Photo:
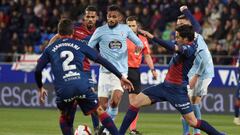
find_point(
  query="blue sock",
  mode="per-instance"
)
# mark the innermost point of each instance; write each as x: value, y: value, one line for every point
x: 197, y: 112
x: 236, y: 111
x: 129, y: 117
x: 112, y: 112
x: 95, y: 120
x: 108, y: 123
x: 185, y: 127
x: 204, y: 126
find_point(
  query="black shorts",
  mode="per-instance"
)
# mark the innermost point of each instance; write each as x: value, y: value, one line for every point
x: 134, y: 77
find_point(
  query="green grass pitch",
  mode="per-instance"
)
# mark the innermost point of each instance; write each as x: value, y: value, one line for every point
x: 45, y: 122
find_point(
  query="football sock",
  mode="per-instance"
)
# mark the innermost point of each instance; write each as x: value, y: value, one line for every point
x: 204, y: 126
x: 185, y: 127
x: 66, y: 125
x: 129, y: 117
x: 236, y: 111
x: 95, y: 120
x: 66, y: 120
x: 197, y: 112
x: 112, y: 112
x: 133, y: 125
x: 108, y: 123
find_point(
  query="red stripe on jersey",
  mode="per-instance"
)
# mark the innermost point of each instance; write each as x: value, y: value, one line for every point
x: 175, y: 74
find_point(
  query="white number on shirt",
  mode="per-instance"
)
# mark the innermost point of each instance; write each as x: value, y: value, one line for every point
x: 66, y: 66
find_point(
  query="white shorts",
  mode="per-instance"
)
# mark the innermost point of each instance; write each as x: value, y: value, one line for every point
x: 201, y: 87
x: 107, y: 83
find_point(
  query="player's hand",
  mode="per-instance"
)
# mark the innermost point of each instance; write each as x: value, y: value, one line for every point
x: 126, y: 84
x: 193, y: 81
x: 154, y: 74
x: 42, y: 94
x: 182, y: 8
x: 145, y: 33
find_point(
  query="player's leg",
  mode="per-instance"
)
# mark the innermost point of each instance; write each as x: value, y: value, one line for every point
x: 200, y: 124
x: 236, y: 119
x: 146, y: 97
x: 178, y: 98
x: 90, y: 105
x: 114, y: 102
x: 199, y: 91
x: 134, y: 77
x: 67, y: 116
x: 116, y: 95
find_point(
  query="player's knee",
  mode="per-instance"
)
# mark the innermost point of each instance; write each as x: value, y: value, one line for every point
x: 192, y: 122
x: 99, y: 110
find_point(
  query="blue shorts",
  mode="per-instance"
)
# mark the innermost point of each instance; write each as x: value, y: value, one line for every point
x: 88, y: 102
x: 177, y: 96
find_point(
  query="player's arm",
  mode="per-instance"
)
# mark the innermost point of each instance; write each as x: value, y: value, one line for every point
x: 182, y: 50
x: 194, y: 22
x: 168, y: 45
x: 94, y: 56
x: 53, y: 39
x: 42, y: 62
x: 134, y: 38
x: 148, y: 58
x: 94, y: 40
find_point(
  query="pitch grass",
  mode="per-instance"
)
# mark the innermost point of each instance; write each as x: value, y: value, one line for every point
x: 45, y: 122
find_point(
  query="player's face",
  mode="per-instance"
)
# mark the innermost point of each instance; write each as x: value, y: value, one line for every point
x: 90, y: 19
x: 113, y: 17
x: 133, y: 25
x: 183, y: 21
x: 179, y: 39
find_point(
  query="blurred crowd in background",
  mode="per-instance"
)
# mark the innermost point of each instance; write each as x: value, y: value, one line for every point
x: 27, y: 25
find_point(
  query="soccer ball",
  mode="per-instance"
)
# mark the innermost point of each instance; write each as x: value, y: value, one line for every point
x: 83, y: 130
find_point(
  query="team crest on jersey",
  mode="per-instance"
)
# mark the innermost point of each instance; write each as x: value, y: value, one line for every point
x: 115, y: 44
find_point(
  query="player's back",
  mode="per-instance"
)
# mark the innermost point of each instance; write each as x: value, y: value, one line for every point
x: 66, y: 60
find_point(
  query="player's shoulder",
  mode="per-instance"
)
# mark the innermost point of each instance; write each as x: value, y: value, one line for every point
x: 77, y: 24
x: 105, y: 26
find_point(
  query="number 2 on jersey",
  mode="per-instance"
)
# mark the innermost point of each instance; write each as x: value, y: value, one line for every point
x: 66, y: 66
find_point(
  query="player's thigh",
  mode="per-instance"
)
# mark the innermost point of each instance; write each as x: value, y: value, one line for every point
x: 108, y: 82
x: 201, y: 87
x: 67, y: 108
x: 141, y: 100
x: 134, y: 78
x: 178, y: 97
x: 89, y: 103
x: 155, y: 93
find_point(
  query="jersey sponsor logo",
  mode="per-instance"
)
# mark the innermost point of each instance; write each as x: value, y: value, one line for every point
x: 115, y: 44
x: 71, y: 76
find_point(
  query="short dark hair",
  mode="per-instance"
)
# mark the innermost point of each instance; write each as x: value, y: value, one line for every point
x: 114, y: 8
x: 182, y: 17
x: 186, y: 31
x: 132, y: 18
x: 91, y: 8
x: 65, y: 27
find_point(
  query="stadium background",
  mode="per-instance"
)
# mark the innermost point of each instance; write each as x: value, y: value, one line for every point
x: 27, y: 25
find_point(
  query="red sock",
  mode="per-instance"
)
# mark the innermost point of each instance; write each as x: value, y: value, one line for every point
x: 133, y: 125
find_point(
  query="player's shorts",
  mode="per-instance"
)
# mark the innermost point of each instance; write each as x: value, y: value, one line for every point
x: 107, y: 83
x: 176, y: 95
x: 201, y: 87
x: 134, y: 77
x: 88, y: 102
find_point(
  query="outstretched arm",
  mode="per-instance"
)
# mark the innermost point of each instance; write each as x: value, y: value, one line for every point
x: 194, y: 22
x: 168, y: 45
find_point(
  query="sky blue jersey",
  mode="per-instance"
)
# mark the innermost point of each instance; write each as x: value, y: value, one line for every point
x: 203, y: 63
x: 112, y: 45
